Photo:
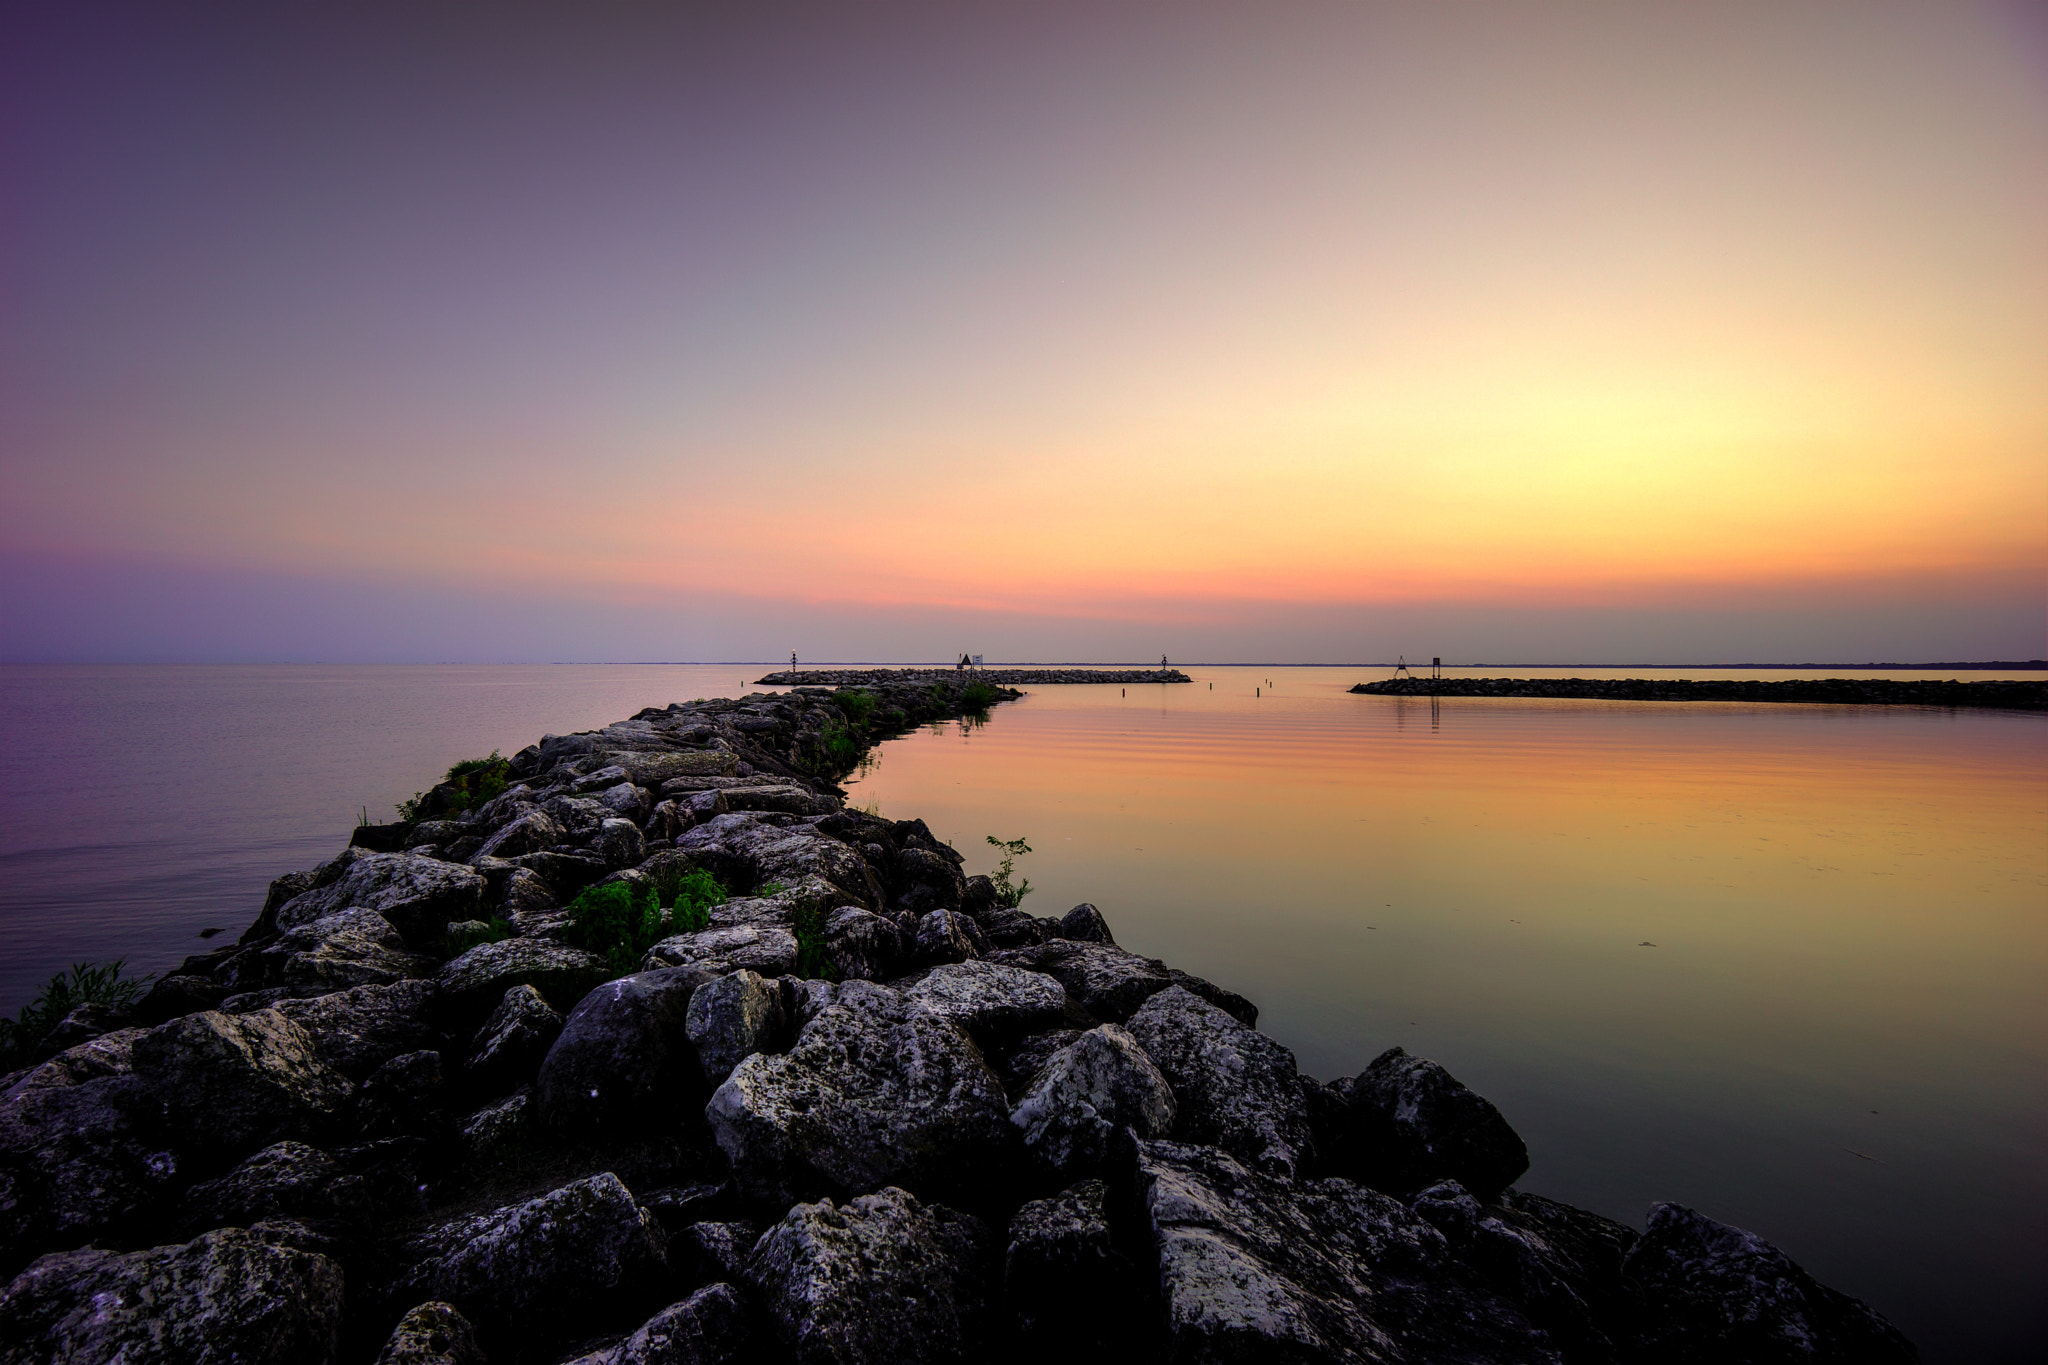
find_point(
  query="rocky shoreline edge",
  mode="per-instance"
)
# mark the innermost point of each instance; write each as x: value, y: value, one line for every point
x: 2005, y: 695
x: 999, y: 677
x: 865, y: 1113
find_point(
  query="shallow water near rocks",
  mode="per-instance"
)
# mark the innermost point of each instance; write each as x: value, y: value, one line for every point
x: 1839, y: 1038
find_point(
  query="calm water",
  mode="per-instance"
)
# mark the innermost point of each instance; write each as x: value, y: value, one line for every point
x: 1839, y: 1039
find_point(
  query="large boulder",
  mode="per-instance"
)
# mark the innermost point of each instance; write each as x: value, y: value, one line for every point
x: 948, y: 936
x: 230, y: 1082
x: 711, y: 1327
x: 1237, y: 1088
x: 1405, y: 1123
x: 885, y: 1280
x: 347, y: 948
x: 861, y: 945
x: 1714, y: 1293
x: 746, y: 848
x: 433, y: 1333
x: 769, y: 949
x: 1069, y: 1289
x: 732, y: 1018
x: 509, y: 1048
x: 480, y: 977
x: 992, y: 1001
x: 73, y: 1165
x: 1254, y: 1267
x: 538, y: 1270
x: 358, y: 1030
x: 229, y: 1297
x: 1086, y: 1095
x: 1102, y: 978
x: 877, y: 1090
x: 284, y: 1180
x: 418, y: 894
x: 624, y: 1059
x: 532, y: 831
x: 1085, y: 924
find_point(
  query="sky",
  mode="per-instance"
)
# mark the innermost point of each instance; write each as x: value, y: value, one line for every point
x: 1633, y: 333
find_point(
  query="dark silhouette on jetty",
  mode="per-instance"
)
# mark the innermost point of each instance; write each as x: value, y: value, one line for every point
x: 2011, y: 696
x: 1006, y: 677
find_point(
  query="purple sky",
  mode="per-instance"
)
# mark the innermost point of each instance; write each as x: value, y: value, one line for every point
x: 1320, y: 332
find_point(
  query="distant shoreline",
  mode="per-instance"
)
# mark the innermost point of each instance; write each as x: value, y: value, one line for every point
x: 2011, y: 696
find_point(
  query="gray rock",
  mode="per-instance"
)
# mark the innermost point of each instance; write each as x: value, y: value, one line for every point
x: 1101, y: 978
x: 1407, y: 1123
x: 862, y: 946
x: 720, y: 1251
x: 597, y: 780
x: 778, y: 796
x: 990, y: 1001
x: 83, y: 1024
x: 498, y: 1128
x: 170, y: 996
x: 230, y: 1297
x: 1086, y: 1095
x: 482, y: 975
x: 876, y: 1091
x: 747, y: 848
x: 534, y: 831
x: 651, y: 769
x: 1019, y: 1065
x: 621, y: 844
x: 229, y: 1082
x: 401, y: 1096
x: 823, y: 1272
x: 418, y: 895
x: 431, y: 832
x: 1237, y: 1088
x: 72, y: 1164
x: 626, y: 800
x: 284, y: 1180
x: 433, y: 1333
x: 1005, y: 929
x: 358, y: 1030
x: 1252, y: 1267
x: 1085, y: 924
x: 624, y: 1058
x: 1230, y: 1002
x: 538, y: 1270
x: 733, y: 1017
x: 710, y: 1327
x: 1715, y: 1293
x: 947, y: 936
x: 765, y: 948
x: 939, y: 875
x: 345, y: 949
x: 1518, y: 1261
x: 510, y: 1046
x: 1069, y: 1287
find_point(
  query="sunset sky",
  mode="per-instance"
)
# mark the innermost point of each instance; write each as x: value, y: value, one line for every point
x: 1537, y: 333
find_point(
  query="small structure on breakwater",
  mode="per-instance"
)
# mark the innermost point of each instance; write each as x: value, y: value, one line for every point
x: 1006, y: 677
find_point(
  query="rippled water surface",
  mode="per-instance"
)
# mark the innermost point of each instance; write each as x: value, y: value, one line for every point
x: 1785, y: 964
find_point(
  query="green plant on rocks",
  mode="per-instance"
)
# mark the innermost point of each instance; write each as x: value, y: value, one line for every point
x: 978, y: 696
x: 473, y: 781
x: 688, y: 896
x: 1009, y: 893
x: 620, y: 921
x: 87, y: 983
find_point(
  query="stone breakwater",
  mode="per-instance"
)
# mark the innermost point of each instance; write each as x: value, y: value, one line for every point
x: 1001, y: 677
x: 2015, y: 696
x: 968, y: 1133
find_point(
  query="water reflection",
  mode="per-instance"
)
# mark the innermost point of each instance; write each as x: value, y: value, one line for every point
x: 1782, y: 963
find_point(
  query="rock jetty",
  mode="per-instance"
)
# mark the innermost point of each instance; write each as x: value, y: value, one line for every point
x: 1000, y: 677
x: 862, y: 1112
x: 2012, y: 696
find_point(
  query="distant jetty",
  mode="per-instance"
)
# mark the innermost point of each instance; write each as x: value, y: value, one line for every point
x: 2009, y: 696
x: 1002, y: 677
